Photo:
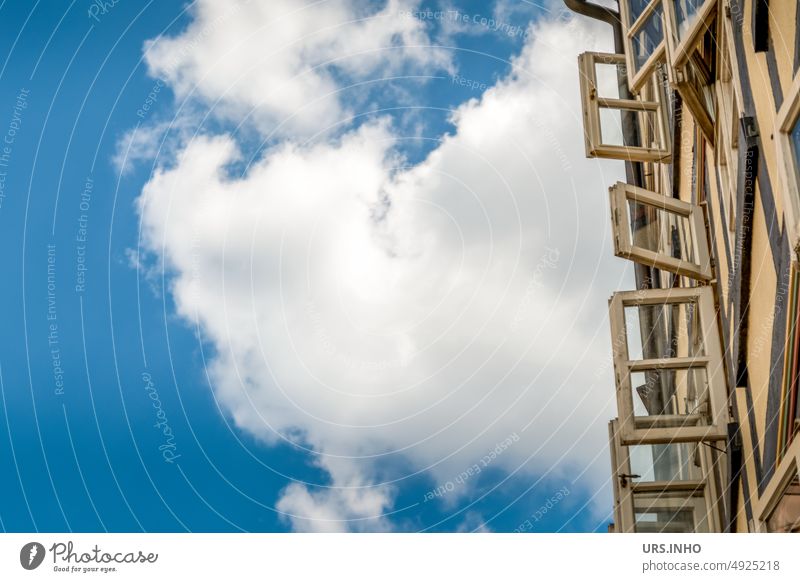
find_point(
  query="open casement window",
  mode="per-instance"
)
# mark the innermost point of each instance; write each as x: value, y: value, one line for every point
x: 687, y: 21
x: 643, y: 26
x: 659, y: 231
x: 778, y: 508
x: 670, y: 374
x: 607, y: 115
x: 787, y: 137
x: 694, y: 79
x: 664, y: 488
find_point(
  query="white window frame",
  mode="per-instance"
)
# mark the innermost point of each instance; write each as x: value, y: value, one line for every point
x: 789, y: 169
x: 712, y: 361
x: 786, y: 469
x: 637, y: 78
x: 680, y: 50
x: 621, y: 193
x: 592, y: 102
x: 626, y: 488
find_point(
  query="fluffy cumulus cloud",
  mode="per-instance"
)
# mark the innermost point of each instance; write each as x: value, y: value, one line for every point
x: 392, y: 320
x: 281, y: 64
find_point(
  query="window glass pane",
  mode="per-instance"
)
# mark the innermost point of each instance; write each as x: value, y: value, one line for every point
x: 666, y: 462
x: 670, y: 398
x: 611, y: 127
x: 608, y: 79
x: 663, y: 232
x: 636, y: 9
x: 648, y: 128
x: 663, y: 331
x: 647, y: 38
x: 685, y: 13
x: 667, y: 520
x: 669, y: 512
x: 785, y: 518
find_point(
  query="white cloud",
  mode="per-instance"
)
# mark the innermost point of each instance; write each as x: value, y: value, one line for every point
x: 473, y: 523
x: 281, y: 64
x: 386, y: 317
x: 144, y: 142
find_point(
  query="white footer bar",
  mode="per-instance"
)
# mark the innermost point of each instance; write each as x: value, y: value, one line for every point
x: 401, y: 557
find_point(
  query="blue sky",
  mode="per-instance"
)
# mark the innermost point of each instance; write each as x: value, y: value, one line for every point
x: 120, y: 412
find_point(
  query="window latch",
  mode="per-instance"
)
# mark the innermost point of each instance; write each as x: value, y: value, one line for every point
x: 623, y: 479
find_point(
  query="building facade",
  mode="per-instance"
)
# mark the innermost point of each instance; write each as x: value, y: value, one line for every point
x: 702, y: 102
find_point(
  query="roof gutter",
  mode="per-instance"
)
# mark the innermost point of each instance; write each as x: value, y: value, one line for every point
x: 601, y: 13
